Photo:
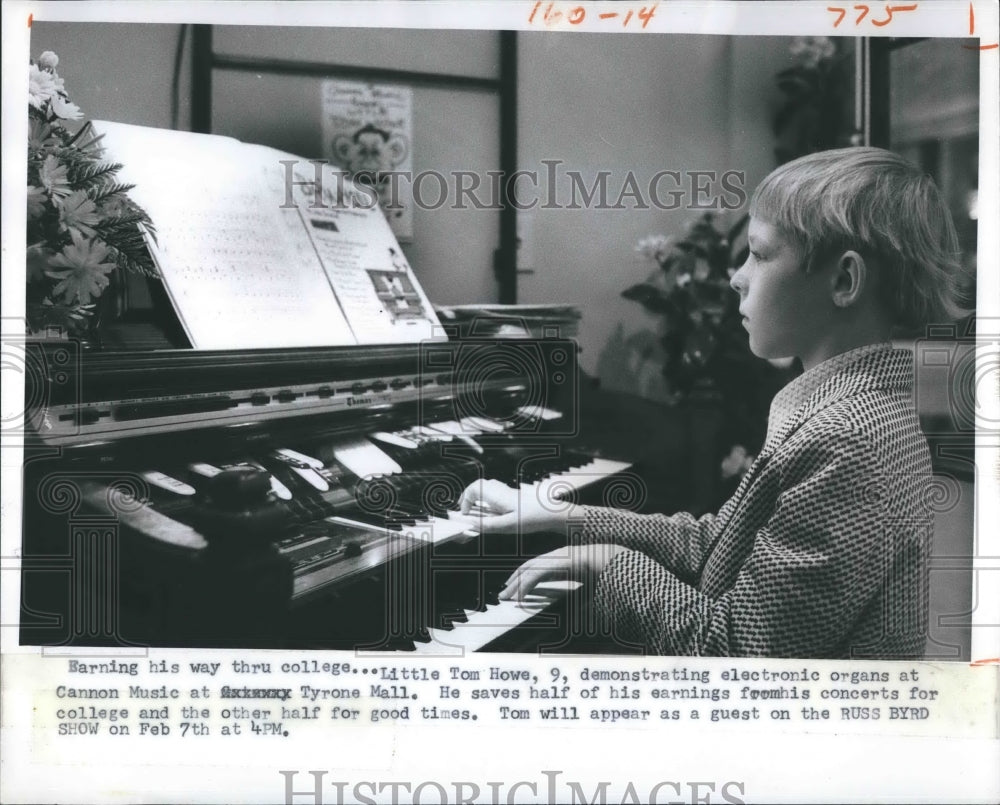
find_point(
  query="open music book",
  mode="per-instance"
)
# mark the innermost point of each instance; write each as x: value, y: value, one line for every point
x: 260, y: 248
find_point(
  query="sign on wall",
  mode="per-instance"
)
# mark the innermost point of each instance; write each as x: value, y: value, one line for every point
x: 368, y: 131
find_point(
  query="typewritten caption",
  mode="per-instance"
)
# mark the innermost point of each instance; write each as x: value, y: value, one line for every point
x: 274, y: 696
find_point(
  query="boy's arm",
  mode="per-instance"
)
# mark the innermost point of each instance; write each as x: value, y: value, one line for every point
x: 677, y: 542
x: 822, y: 556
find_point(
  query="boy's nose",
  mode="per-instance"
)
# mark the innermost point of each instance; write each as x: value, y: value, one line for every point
x: 738, y: 281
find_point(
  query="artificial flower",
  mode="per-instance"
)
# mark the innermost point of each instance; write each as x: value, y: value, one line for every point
x: 37, y: 261
x: 86, y: 273
x: 81, y: 224
x: 62, y: 108
x: 58, y: 315
x: 36, y: 201
x: 54, y: 177
x: 48, y: 61
x: 40, y: 136
x: 41, y: 87
x: 79, y: 213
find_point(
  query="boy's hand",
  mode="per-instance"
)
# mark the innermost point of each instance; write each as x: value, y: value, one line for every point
x: 493, y: 507
x: 583, y: 563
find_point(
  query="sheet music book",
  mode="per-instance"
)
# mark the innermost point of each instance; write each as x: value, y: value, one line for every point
x: 258, y: 250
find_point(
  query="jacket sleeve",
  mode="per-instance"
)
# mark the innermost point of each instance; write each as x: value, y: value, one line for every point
x: 817, y: 562
x: 678, y: 542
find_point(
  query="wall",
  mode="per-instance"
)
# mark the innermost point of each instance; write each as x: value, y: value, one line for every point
x: 118, y: 72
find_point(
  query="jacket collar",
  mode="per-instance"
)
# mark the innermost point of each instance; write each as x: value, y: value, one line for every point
x: 876, y: 366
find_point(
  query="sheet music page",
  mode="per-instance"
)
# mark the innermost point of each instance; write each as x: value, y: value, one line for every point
x: 237, y: 274
x: 374, y: 284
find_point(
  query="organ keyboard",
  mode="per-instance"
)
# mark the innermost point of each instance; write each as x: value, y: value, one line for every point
x: 291, y: 498
x: 477, y: 630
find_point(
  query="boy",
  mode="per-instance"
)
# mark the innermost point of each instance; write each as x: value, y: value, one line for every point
x: 822, y: 551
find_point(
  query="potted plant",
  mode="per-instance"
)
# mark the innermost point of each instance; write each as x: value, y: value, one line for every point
x: 708, y: 368
x: 83, y: 229
x: 817, y: 90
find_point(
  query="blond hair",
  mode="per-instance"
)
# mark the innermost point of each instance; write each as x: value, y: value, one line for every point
x: 882, y: 206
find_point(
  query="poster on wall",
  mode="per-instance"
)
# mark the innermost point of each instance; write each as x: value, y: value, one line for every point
x: 368, y: 132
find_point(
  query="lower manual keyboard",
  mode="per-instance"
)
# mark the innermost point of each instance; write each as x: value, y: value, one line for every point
x: 481, y: 628
x: 313, y: 577
x: 561, y: 484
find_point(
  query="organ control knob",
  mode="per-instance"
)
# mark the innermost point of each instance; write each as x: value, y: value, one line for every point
x: 238, y: 508
x: 239, y: 488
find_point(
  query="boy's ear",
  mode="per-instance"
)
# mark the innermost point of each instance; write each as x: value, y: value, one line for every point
x: 851, y: 275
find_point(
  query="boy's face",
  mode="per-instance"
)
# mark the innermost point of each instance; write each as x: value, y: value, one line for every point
x: 786, y: 310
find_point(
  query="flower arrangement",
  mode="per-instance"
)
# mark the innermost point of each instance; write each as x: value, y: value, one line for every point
x: 817, y: 89
x: 706, y: 355
x: 82, y: 226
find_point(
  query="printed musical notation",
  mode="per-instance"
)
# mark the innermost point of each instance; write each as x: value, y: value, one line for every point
x: 246, y: 270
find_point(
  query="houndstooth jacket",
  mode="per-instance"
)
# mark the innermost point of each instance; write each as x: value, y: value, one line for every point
x: 822, y: 551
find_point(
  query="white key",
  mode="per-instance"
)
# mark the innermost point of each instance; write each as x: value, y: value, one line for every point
x: 448, y: 426
x: 364, y: 459
x: 295, y: 455
x: 396, y: 439
x: 164, y: 481
x: 311, y: 477
x: 483, y: 424
x: 436, y: 529
x: 540, y: 411
x: 434, y: 433
x: 280, y: 489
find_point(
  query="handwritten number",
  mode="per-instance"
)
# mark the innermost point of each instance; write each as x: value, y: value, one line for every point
x: 841, y: 12
x: 972, y: 31
x: 577, y: 14
x: 646, y: 14
x: 886, y: 21
x: 889, y: 10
